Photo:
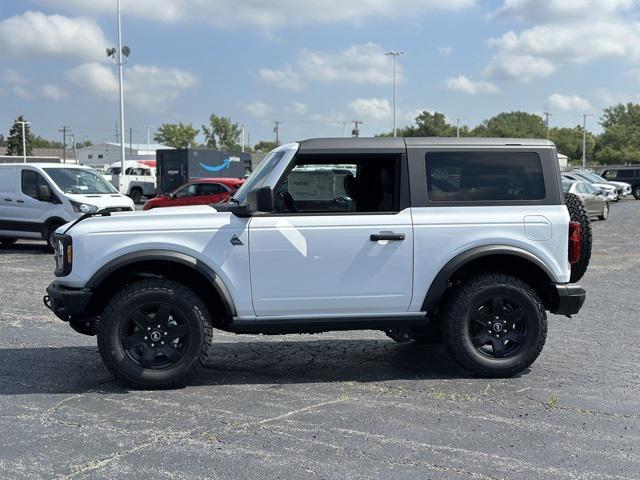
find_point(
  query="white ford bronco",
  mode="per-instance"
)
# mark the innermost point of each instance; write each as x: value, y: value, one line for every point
x: 464, y: 241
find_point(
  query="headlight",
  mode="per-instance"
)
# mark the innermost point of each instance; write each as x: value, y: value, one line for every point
x: 83, y: 207
x: 63, y: 254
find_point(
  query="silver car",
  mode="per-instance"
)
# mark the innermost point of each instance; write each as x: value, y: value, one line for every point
x: 594, y: 200
x: 610, y: 191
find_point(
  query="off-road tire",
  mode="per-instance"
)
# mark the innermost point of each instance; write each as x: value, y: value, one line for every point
x: 132, y: 297
x: 456, y: 334
x: 578, y: 213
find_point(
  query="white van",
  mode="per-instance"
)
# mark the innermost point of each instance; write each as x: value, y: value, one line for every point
x: 36, y: 198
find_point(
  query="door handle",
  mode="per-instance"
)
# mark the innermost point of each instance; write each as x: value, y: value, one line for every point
x: 7, y: 199
x: 376, y: 237
x: 20, y: 201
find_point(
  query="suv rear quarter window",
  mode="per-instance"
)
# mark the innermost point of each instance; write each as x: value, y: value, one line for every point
x: 473, y: 176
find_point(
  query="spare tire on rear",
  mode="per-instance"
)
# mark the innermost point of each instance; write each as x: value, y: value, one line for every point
x: 578, y: 213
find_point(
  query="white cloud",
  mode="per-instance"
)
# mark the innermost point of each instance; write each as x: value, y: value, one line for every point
x: 359, y: 64
x: 13, y: 78
x: 22, y: 92
x: 568, y: 103
x: 466, y: 85
x: 445, y: 50
x: 258, y: 108
x: 537, y: 10
x: 147, y: 87
x: 298, y: 108
x: 285, y: 78
x: 518, y: 67
x: 372, y: 109
x: 52, y: 92
x: 272, y: 14
x: 35, y: 34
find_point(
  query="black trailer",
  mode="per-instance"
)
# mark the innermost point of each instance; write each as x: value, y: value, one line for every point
x: 176, y: 167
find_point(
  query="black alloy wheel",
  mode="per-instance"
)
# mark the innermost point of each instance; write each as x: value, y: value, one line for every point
x: 498, y: 327
x: 154, y: 336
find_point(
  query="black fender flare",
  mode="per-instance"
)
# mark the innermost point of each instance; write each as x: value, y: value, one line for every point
x: 439, y: 284
x: 166, y: 255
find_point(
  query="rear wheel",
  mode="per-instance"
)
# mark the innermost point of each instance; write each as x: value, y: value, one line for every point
x: 155, y: 333
x: 494, y: 325
x: 136, y: 195
x: 605, y: 212
x: 578, y: 213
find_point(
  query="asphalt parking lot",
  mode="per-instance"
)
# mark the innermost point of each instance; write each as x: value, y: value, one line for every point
x: 338, y: 405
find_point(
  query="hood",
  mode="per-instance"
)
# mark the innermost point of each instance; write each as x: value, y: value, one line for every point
x: 605, y: 186
x: 102, y: 200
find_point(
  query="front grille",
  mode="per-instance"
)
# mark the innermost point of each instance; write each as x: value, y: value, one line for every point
x: 118, y: 209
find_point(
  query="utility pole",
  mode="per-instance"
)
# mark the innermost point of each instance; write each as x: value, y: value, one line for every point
x: 243, y: 134
x: 75, y: 149
x: 394, y: 54
x: 547, y: 114
x: 64, y: 131
x: 276, y: 130
x: 356, y: 131
x: 24, y: 140
x: 130, y: 141
x: 584, y: 139
x: 149, y: 127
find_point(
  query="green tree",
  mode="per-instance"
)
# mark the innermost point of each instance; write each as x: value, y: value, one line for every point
x: 430, y: 124
x: 264, y: 146
x: 3, y: 141
x: 222, y: 134
x: 620, y: 140
x: 39, y: 142
x: 176, y: 135
x: 569, y: 142
x: 512, y: 125
x: 14, y: 142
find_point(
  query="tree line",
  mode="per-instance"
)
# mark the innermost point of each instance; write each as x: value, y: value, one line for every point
x: 619, y: 142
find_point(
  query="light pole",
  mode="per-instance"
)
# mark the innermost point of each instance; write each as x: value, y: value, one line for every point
x: 458, y: 120
x: 584, y: 139
x: 24, y: 140
x: 149, y: 127
x: 117, y: 58
x: 394, y: 54
x: 547, y: 114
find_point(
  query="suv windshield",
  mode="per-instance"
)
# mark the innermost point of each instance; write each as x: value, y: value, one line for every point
x: 592, y: 177
x: 79, y: 180
x: 260, y: 175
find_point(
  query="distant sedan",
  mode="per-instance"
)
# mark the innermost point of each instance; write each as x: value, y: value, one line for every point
x: 594, y: 200
x: 197, y: 192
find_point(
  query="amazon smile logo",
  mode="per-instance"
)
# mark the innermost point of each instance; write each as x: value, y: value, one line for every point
x: 218, y: 168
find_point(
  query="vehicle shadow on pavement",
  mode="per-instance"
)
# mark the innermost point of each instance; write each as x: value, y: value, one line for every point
x: 57, y: 370
x: 22, y: 248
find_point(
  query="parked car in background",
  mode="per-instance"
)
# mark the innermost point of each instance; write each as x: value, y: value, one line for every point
x: 624, y: 188
x: 610, y: 191
x: 37, y: 198
x: 594, y: 200
x: 630, y: 175
x: 139, y: 178
x: 198, y: 192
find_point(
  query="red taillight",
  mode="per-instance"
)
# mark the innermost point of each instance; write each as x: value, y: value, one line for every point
x: 574, y: 242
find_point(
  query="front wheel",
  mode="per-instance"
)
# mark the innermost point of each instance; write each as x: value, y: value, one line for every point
x: 155, y: 333
x: 605, y: 212
x: 494, y: 325
x: 136, y: 195
x: 51, y: 230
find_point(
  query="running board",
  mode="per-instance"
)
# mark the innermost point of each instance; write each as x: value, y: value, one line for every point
x: 282, y: 325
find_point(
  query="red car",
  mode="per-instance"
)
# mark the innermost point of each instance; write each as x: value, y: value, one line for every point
x: 197, y: 192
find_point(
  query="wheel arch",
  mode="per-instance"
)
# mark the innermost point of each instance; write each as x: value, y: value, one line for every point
x: 51, y: 221
x: 178, y: 266
x: 497, y: 259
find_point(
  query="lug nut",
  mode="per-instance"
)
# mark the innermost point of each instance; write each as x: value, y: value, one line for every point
x: 161, y: 343
x: 148, y: 328
x: 146, y: 338
x: 158, y: 326
x: 152, y: 345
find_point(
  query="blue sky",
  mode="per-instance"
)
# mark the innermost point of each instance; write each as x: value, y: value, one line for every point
x: 312, y: 65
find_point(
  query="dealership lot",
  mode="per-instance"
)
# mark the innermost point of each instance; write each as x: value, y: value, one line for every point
x: 346, y: 404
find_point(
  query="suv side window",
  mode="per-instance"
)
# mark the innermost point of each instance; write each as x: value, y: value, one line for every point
x: 340, y: 184
x: 460, y: 176
x: 610, y: 174
x: 31, y: 182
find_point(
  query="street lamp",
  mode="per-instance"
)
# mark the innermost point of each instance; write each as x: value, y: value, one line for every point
x: 117, y: 58
x: 24, y: 140
x: 584, y: 139
x: 394, y: 54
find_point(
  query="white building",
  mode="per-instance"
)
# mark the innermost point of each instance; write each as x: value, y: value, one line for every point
x: 103, y: 154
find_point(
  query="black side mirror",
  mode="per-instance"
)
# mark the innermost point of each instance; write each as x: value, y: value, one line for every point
x: 45, y: 194
x: 260, y: 200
